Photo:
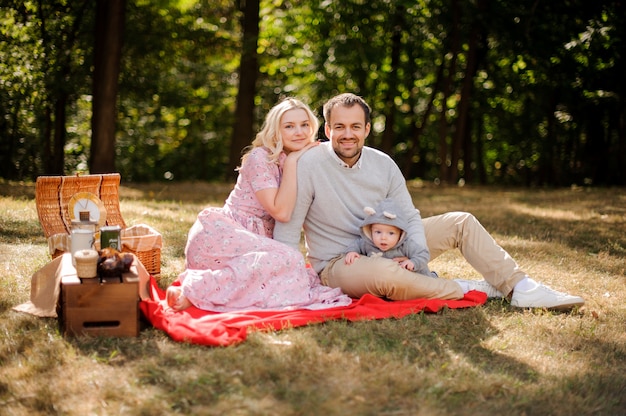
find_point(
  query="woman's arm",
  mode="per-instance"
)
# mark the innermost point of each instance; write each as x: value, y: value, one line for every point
x: 279, y: 202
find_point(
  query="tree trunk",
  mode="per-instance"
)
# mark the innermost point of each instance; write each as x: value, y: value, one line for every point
x: 8, y: 144
x: 621, y: 140
x: 460, y: 131
x: 243, y: 128
x: 597, y: 147
x: 46, y: 141
x: 468, y: 157
x: 480, y: 162
x: 445, y: 89
x: 390, y: 107
x: 107, y: 57
x: 60, y: 134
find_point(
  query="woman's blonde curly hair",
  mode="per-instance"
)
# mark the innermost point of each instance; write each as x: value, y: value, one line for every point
x: 270, y: 136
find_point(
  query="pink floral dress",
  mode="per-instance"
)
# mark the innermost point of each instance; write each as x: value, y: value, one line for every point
x: 232, y: 262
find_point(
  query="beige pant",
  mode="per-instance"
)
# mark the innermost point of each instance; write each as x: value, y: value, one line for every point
x: 385, y: 278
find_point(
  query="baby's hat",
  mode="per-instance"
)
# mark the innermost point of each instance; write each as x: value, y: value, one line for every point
x: 386, y: 212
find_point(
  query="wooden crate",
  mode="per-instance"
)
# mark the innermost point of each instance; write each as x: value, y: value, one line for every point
x: 92, y: 307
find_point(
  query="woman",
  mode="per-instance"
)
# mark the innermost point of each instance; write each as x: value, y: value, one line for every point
x: 232, y: 262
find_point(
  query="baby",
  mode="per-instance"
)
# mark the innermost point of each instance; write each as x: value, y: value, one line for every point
x: 383, y: 233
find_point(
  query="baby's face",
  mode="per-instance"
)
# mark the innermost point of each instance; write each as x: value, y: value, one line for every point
x: 385, y: 236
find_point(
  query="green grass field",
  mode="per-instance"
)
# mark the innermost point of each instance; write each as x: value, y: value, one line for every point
x: 489, y: 360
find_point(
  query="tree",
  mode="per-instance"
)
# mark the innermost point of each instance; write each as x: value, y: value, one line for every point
x: 492, y: 90
x: 59, y: 90
x: 461, y: 137
x: 107, y: 55
x: 243, y: 127
x: 41, y: 50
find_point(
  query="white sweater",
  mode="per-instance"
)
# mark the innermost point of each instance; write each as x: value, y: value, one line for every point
x: 331, y: 198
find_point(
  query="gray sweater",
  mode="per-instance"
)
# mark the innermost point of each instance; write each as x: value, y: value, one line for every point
x: 331, y: 198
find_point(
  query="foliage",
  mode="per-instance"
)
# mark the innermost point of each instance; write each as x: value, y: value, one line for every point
x: 544, y: 84
x: 177, y: 91
x: 43, y: 62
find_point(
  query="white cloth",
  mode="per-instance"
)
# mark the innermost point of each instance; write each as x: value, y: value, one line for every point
x: 139, y: 237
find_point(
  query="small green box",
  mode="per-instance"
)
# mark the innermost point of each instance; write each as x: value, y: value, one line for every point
x: 110, y: 236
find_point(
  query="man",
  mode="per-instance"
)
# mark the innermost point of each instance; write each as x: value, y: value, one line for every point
x: 340, y: 177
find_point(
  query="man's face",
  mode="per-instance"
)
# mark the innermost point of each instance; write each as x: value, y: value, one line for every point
x: 347, y: 131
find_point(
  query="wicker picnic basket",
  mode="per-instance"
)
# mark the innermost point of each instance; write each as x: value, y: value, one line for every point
x: 52, y: 197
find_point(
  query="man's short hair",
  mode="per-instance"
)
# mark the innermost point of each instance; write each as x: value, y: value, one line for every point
x: 347, y: 100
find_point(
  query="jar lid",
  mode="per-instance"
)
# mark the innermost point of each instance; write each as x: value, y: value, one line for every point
x: 86, y: 255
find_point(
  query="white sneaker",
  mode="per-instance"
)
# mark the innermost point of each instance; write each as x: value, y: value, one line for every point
x: 544, y: 297
x: 481, y: 286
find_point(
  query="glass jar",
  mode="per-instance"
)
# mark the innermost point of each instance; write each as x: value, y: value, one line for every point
x: 82, y: 236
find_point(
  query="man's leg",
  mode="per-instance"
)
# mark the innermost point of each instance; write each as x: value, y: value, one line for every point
x: 463, y: 231
x: 385, y: 278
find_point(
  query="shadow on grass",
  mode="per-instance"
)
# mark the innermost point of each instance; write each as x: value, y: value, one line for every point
x: 589, y: 221
x: 18, y: 190
x: 588, y: 236
x: 388, y: 366
x: 21, y: 230
x: 197, y: 192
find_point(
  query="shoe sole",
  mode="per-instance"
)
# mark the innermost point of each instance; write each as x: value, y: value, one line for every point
x: 561, y: 308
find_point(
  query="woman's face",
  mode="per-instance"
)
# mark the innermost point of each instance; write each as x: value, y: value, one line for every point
x: 295, y: 129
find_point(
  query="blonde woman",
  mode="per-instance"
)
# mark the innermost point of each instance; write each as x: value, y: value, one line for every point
x: 232, y: 262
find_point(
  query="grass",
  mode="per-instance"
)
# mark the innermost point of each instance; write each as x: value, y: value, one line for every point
x: 489, y: 360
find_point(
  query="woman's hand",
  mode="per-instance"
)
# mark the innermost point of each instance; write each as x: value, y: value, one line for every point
x: 279, y: 202
x: 296, y: 155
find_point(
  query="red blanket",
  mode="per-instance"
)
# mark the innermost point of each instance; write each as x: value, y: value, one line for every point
x: 220, y: 329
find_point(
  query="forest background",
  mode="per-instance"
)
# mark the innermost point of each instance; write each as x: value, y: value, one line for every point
x: 485, y: 91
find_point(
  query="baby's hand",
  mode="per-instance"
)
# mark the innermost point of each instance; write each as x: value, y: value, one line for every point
x: 408, y: 264
x: 351, y: 256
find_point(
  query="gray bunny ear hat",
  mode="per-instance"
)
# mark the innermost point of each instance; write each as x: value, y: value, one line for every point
x: 386, y: 212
